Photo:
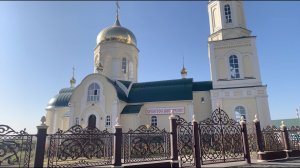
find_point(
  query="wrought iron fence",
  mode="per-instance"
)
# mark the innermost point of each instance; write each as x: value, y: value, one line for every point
x: 80, y: 147
x: 15, y: 147
x: 214, y: 140
x: 272, y: 138
x: 146, y: 144
x: 252, y: 140
x: 294, y: 137
x: 220, y: 139
x: 185, y: 142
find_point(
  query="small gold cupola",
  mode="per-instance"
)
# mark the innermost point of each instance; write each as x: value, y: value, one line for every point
x: 183, y: 71
x: 73, y: 80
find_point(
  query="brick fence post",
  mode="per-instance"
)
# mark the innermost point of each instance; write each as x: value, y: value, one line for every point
x: 40, y: 143
x: 285, y: 138
x: 118, y: 146
x: 197, y: 152
x: 245, y: 140
x: 174, y: 150
x: 259, y: 137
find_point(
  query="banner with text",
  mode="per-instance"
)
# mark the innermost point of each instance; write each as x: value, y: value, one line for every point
x: 165, y: 110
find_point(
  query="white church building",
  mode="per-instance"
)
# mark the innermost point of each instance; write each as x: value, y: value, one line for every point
x: 113, y: 92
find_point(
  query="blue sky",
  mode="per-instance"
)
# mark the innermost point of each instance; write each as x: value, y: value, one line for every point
x: 40, y: 42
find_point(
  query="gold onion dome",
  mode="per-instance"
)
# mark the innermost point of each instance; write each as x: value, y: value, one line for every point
x: 116, y: 33
x: 183, y: 70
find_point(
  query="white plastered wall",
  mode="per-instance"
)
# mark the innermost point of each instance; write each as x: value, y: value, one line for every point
x: 112, y: 53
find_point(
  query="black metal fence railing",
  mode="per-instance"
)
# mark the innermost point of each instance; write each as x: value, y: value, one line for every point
x: 15, y: 147
x: 146, y: 144
x: 185, y: 144
x: 252, y: 140
x: 78, y: 147
x: 214, y: 140
x: 272, y: 139
x: 294, y: 137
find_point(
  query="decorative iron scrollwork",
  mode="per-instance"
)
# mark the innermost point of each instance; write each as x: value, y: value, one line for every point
x: 79, y: 147
x: 15, y: 147
x: 220, y: 139
x: 252, y: 140
x: 294, y: 137
x: 185, y: 142
x: 272, y: 138
x: 146, y: 144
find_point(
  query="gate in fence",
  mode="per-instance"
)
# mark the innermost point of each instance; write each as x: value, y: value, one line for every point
x: 220, y: 139
x: 214, y: 140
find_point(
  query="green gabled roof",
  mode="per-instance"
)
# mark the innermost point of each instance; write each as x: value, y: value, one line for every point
x: 121, y: 94
x: 168, y: 90
x: 62, y: 98
x: 125, y: 83
x: 131, y: 109
x: 288, y: 122
x: 202, y: 86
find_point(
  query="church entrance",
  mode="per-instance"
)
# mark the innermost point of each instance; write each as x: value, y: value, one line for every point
x: 92, y: 122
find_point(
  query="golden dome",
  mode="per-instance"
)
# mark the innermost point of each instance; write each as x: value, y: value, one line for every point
x: 183, y: 70
x: 116, y: 33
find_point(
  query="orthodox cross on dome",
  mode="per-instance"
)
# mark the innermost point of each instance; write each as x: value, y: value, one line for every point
x: 73, y: 68
x: 73, y: 80
x: 117, y: 19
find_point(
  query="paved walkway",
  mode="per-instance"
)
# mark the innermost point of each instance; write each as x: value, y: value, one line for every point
x: 292, y: 162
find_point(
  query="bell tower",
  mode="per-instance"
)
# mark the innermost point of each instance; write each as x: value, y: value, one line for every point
x: 232, y: 49
x: 234, y: 64
x: 226, y: 20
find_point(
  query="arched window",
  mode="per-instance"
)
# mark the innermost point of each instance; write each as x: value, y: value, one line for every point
x: 227, y: 13
x: 92, y: 122
x: 154, y: 121
x: 107, y: 123
x: 234, y: 67
x: 93, y: 92
x: 124, y: 63
x: 239, y: 112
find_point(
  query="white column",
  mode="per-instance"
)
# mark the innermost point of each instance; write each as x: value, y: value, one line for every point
x: 190, y: 111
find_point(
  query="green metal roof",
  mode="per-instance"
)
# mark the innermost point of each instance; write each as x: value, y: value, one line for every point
x: 125, y: 83
x: 202, y: 86
x: 62, y: 98
x: 167, y: 90
x: 121, y: 94
x: 131, y: 109
x: 288, y: 122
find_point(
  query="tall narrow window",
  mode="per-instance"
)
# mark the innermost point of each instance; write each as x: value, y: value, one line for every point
x: 76, y: 121
x: 227, y: 13
x: 154, y: 121
x: 107, y: 123
x: 124, y: 63
x: 93, y: 92
x: 234, y: 67
x: 239, y: 112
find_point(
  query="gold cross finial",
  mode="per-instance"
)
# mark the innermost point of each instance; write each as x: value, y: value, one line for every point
x: 73, y: 71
